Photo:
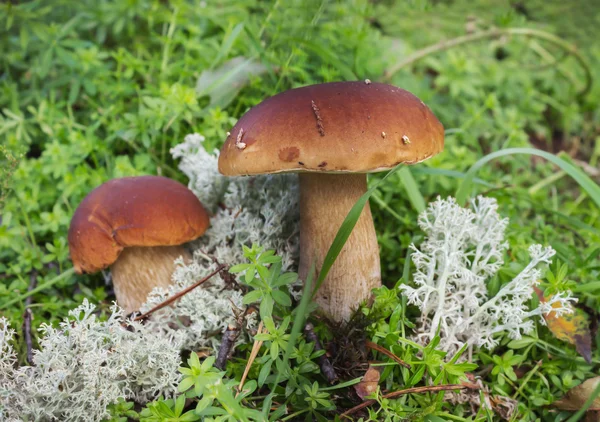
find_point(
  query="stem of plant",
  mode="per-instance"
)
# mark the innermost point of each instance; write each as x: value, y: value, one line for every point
x: 496, y: 33
x: 39, y: 288
x: 178, y: 295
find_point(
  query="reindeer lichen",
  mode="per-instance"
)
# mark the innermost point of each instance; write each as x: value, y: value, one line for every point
x: 463, y: 249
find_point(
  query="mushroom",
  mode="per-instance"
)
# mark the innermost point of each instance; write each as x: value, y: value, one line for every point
x: 332, y: 135
x: 137, y: 226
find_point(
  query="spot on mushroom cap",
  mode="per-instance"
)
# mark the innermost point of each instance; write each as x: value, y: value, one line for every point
x: 133, y: 211
x: 340, y: 124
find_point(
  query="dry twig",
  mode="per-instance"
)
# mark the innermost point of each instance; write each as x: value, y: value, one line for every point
x: 227, y: 341
x: 28, y: 317
x: 324, y: 363
x: 380, y: 349
x: 178, y: 295
x: 497, y: 33
x: 414, y: 390
x: 253, y: 354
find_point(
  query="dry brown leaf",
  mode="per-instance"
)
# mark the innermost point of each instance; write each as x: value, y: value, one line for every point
x: 572, y: 328
x: 576, y: 396
x: 368, y: 385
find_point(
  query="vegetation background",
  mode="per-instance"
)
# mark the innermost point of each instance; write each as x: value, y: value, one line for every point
x: 93, y: 90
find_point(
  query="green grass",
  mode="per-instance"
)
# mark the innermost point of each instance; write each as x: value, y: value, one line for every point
x: 94, y: 90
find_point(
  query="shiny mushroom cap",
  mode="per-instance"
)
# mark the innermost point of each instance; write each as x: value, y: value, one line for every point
x: 354, y: 127
x: 133, y: 211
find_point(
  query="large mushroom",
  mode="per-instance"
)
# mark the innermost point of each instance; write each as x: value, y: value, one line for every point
x: 137, y: 226
x: 332, y: 134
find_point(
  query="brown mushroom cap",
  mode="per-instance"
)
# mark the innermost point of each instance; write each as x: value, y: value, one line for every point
x: 133, y: 211
x: 333, y: 127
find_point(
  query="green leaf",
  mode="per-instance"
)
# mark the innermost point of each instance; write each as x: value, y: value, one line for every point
x: 185, y: 384
x: 249, y: 274
x: 274, y: 350
x: 190, y: 416
x: 433, y: 418
x: 266, y: 307
x: 265, y: 370
x: 285, y: 279
x: 251, y: 297
x: 179, y: 405
x: 588, y: 287
x: 223, y: 83
x: 263, y: 272
x: 521, y: 343
x: 208, y: 363
x: 194, y: 361
x: 239, y: 268
x: 282, y: 298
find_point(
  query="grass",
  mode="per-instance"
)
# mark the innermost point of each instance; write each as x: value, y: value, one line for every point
x: 95, y: 90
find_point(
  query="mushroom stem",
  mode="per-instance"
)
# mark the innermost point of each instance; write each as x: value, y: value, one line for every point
x: 138, y: 270
x: 325, y: 200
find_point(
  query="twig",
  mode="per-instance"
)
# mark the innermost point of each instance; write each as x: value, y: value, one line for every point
x: 380, y: 349
x: 253, y: 354
x: 496, y: 33
x: 324, y: 363
x: 229, y: 338
x: 414, y: 390
x: 178, y: 295
x: 28, y: 317
x: 231, y: 334
x: 587, y: 168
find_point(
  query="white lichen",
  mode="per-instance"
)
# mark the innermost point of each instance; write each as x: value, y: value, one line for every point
x: 12, y: 399
x: 463, y: 249
x: 260, y: 209
x: 246, y: 210
x: 85, y: 365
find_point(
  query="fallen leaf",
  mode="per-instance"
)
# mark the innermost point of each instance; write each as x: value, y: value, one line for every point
x: 576, y: 396
x: 223, y: 83
x: 572, y: 328
x: 368, y: 385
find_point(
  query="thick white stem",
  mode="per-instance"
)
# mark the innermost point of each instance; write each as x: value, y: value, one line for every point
x: 325, y: 200
x: 140, y: 269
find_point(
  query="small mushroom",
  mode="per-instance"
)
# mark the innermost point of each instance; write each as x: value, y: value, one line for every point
x: 337, y: 147
x: 137, y: 226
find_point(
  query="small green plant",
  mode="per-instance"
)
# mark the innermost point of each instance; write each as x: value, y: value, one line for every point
x: 266, y: 283
x: 122, y: 411
x: 168, y: 410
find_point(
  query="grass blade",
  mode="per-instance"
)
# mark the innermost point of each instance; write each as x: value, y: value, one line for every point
x: 328, y: 56
x: 43, y: 286
x: 412, y: 190
x: 430, y: 171
x: 587, y: 184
